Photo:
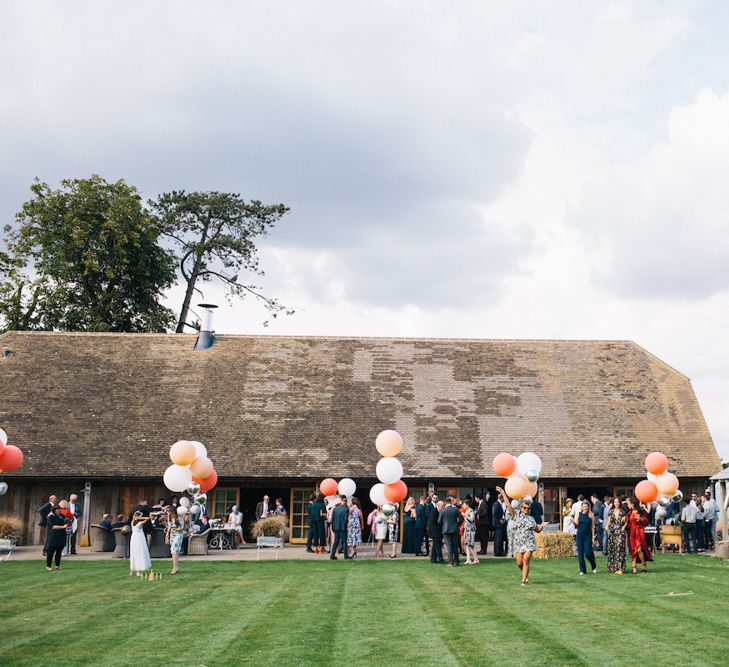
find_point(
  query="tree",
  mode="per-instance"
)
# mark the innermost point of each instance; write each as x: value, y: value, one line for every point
x: 94, y: 251
x: 213, y: 234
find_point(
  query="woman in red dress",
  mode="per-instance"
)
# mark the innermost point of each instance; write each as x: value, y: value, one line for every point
x: 636, y: 522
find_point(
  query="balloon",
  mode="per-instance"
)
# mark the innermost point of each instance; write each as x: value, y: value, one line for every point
x: 532, y: 489
x: 504, y: 464
x: 126, y: 530
x: 182, y: 453
x: 3, y: 488
x: 182, y: 510
x: 387, y: 510
x: 346, y: 487
x: 396, y: 492
x: 185, y: 501
x: 528, y: 461
x: 388, y: 443
x: 332, y: 500
x: 656, y: 463
x: 388, y: 470
x: 646, y: 491
x: 177, y: 478
x: 328, y: 487
x: 200, y: 449
x: 208, y: 483
x: 201, y: 499
x: 193, y: 489
x: 528, y: 500
x: 517, y: 487
x: 3, y: 438
x: 677, y: 497
x: 515, y: 504
x: 653, y: 478
x: 532, y: 475
x: 195, y: 509
x: 664, y: 502
x: 377, y: 495
x: 11, y: 458
x: 201, y: 467
x: 667, y: 484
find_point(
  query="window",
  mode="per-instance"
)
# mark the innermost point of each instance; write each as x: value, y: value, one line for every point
x: 299, y: 515
x: 223, y: 500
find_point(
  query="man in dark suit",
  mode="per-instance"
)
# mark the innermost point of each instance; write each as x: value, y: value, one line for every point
x: 597, y: 510
x: 498, y: 521
x: 340, y: 518
x: 450, y: 520
x: 483, y: 523
x: 309, y: 523
x: 420, y: 525
x: 435, y: 534
x: 263, y: 508
x: 44, y: 511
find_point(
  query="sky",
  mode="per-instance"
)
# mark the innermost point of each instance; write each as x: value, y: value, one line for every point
x: 476, y: 169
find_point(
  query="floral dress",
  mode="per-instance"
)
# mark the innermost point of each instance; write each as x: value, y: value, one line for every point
x: 616, y: 542
x: 393, y: 534
x: 524, y: 539
x: 354, y: 528
x: 177, y: 535
x: 469, y: 528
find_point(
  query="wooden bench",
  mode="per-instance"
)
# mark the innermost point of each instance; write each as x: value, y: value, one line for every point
x: 6, y: 549
x: 275, y: 542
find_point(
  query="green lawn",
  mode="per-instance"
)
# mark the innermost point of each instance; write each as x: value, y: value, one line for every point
x: 364, y: 613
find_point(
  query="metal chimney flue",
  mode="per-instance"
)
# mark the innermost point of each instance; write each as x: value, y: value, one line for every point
x: 206, y: 337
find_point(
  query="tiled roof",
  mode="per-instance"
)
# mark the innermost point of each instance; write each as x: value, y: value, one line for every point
x: 110, y: 405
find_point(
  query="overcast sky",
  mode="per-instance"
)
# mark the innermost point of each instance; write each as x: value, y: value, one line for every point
x: 471, y: 169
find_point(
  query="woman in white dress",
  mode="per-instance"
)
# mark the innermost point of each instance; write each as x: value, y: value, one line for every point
x: 235, y: 521
x: 379, y: 524
x: 139, y: 560
x: 568, y: 522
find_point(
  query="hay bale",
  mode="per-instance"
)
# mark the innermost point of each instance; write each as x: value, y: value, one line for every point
x: 555, y: 545
x: 270, y: 527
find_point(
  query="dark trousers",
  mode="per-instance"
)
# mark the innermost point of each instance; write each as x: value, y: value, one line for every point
x: 317, y: 534
x: 53, y: 553
x: 73, y: 543
x: 499, y: 537
x: 483, y: 537
x: 584, y: 550
x: 709, y: 533
x: 598, y: 533
x: 309, y: 537
x: 454, y: 546
x: 700, y: 536
x: 436, y: 551
x: 419, y: 535
x: 340, y: 540
x: 689, y: 537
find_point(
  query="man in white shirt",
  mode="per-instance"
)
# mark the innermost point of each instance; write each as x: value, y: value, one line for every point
x: 262, y: 508
x: 76, y: 509
x: 688, y: 519
x: 711, y: 514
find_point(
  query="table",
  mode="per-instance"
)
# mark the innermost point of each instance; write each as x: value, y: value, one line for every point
x: 222, y: 538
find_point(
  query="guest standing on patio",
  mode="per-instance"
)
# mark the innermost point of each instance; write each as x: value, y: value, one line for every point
x: 469, y: 534
x: 436, y: 534
x: 408, y: 527
x: 393, y: 532
x: 340, y: 520
x: 354, y: 528
x: 263, y: 508
x: 450, y: 520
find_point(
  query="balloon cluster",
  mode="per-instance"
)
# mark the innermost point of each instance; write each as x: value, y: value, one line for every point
x: 660, y: 484
x: 391, y: 489
x: 191, y: 469
x: 522, y: 474
x: 332, y: 490
x: 11, y: 458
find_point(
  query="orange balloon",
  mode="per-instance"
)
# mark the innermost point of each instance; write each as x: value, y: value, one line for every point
x: 11, y: 458
x: 328, y: 487
x: 656, y: 463
x: 667, y: 484
x: 182, y: 453
x: 517, y: 487
x: 201, y: 467
x: 646, y: 491
x: 504, y: 464
x: 388, y: 443
x: 396, y: 492
x: 208, y: 483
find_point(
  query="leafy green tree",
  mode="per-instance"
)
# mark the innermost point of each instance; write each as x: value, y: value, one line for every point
x: 214, y: 236
x: 93, y: 250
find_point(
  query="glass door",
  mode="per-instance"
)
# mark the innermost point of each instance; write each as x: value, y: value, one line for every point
x: 299, y: 514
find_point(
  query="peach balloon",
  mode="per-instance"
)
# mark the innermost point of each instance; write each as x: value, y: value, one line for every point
x: 388, y: 443
x: 201, y: 467
x: 182, y: 453
x: 396, y: 492
x: 532, y: 490
x: 667, y: 484
x: 646, y: 491
x: 328, y: 487
x: 504, y: 465
x: 517, y: 487
x: 656, y: 463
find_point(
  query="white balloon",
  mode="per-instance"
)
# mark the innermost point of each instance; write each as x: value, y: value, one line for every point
x: 652, y: 477
x: 331, y: 500
x: 528, y: 461
x: 177, y: 478
x: 3, y: 437
x: 347, y: 487
x: 377, y: 495
x: 184, y: 501
x: 3, y: 488
x: 195, y: 509
x: 389, y: 470
x: 182, y: 510
x: 515, y: 504
x: 200, y: 449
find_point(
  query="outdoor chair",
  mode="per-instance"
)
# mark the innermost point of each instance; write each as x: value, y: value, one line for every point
x: 6, y: 549
x: 102, y: 539
x: 275, y: 542
x: 122, y: 543
x: 197, y: 544
x: 157, y: 546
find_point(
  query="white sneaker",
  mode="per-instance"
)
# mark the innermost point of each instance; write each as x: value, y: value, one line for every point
x: 581, y: 573
x: 594, y: 571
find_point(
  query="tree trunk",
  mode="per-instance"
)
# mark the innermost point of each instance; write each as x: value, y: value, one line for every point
x: 186, y: 303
